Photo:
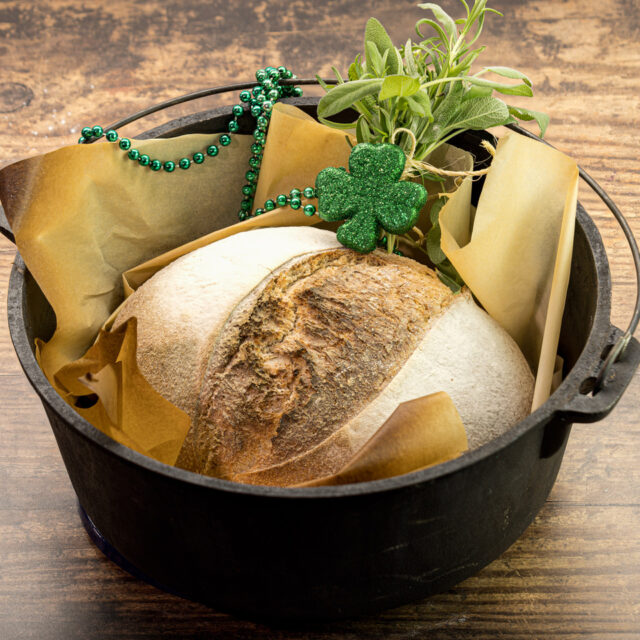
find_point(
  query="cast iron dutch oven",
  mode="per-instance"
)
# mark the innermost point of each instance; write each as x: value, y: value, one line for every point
x: 332, y: 552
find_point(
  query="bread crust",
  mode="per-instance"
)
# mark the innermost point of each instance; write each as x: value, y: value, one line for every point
x: 304, y: 353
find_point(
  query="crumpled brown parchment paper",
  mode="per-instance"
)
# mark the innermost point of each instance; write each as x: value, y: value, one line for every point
x: 92, y: 227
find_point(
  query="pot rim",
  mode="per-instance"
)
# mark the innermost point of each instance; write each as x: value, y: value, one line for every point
x: 559, y: 400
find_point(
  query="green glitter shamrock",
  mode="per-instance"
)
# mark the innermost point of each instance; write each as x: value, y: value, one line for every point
x: 370, y: 196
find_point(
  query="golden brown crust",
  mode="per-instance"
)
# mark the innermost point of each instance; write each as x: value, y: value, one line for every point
x: 303, y: 354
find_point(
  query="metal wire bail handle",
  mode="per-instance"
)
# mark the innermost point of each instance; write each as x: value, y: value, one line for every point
x: 618, y: 349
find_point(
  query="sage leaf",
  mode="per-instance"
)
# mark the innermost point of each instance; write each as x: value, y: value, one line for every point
x: 336, y: 73
x: 507, y: 89
x: 443, y: 17
x: 398, y: 86
x: 455, y: 286
x: 477, y: 92
x: 374, y: 64
x: 528, y: 114
x: 346, y: 126
x: 410, y: 65
x: 434, y: 213
x: 435, y: 253
x: 420, y: 103
x: 508, y: 72
x: 343, y: 96
x: 480, y: 113
x: 434, y: 25
x: 377, y: 35
x: 448, y: 108
x: 363, y: 133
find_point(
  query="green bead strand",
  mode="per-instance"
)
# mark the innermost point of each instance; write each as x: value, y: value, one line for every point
x: 282, y: 200
x: 259, y: 100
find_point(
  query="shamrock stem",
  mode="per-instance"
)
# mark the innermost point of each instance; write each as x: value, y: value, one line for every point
x: 391, y: 242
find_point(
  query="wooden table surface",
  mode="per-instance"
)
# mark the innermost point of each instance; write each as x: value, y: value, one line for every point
x: 575, y: 573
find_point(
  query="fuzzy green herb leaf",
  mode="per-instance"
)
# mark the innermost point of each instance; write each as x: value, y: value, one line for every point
x: 480, y: 113
x: 528, y: 114
x: 501, y: 87
x: 398, y: 86
x: 420, y: 104
x: 447, y: 22
x: 452, y: 280
x: 508, y: 72
x: 435, y: 253
x: 343, y: 96
x: 376, y: 35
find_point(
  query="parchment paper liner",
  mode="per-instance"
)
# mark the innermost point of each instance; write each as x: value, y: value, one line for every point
x: 514, y: 252
x: 60, y: 204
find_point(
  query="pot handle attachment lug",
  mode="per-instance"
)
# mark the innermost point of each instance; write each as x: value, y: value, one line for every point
x: 5, y: 229
x: 613, y: 375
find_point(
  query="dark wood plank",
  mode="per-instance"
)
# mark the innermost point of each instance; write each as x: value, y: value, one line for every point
x: 575, y: 573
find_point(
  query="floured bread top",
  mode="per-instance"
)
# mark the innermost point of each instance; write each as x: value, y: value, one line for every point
x: 281, y: 345
x: 306, y: 352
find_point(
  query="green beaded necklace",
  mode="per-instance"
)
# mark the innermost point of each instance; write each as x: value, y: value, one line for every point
x: 260, y: 101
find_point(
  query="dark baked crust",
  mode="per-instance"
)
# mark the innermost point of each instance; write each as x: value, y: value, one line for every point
x: 304, y: 353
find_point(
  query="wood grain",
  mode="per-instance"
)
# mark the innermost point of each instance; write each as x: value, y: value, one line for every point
x: 575, y: 573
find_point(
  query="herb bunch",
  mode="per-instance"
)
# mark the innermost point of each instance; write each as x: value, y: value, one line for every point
x: 426, y: 87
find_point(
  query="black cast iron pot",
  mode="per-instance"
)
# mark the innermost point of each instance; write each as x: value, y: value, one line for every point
x: 332, y: 552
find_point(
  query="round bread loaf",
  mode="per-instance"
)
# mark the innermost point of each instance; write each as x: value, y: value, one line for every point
x: 289, y: 351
